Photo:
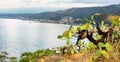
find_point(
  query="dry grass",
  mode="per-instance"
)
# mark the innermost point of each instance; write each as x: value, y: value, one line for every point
x: 83, y: 57
x: 80, y: 57
x: 113, y: 17
x: 114, y: 57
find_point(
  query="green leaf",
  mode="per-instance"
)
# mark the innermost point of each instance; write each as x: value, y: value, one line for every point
x: 90, y: 27
x: 67, y: 34
x: 109, y: 47
x: 70, y: 34
x: 74, y: 29
x: 68, y: 41
x: 86, y: 19
x: 26, y: 54
x: 70, y: 27
x: 93, y: 22
x: 105, y: 54
x: 87, y: 26
x: 84, y: 26
x: 72, y: 51
x: 92, y: 17
x: 100, y: 44
x: 79, y: 28
x: 102, y: 23
x: 98, y: 36
x: 93, y: 60
x: 61, y: 37
x: 91, y: 45
x: 62, y: 60
x: 98, y: 52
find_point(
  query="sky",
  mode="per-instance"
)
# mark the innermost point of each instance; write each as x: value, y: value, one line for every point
x: 34, y: 6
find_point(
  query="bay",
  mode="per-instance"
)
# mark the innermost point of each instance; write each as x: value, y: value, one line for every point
x: 18, y: 36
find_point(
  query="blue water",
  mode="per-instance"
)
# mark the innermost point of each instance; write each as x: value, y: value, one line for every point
x: 17, y: 36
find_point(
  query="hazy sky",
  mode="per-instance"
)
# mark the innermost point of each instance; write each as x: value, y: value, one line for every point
x: 7, y: 5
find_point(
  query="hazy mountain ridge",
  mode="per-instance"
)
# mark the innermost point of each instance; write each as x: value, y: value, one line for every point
x: 78, y: 12
x: 72, y: 14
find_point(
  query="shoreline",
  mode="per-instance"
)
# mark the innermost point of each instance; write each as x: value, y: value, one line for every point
x: 38, y: 21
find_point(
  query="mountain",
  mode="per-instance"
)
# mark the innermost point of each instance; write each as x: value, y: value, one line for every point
x: 69, y: 14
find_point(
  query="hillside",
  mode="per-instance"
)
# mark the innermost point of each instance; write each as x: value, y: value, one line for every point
x: 70, y: 15
x: 78, y: 12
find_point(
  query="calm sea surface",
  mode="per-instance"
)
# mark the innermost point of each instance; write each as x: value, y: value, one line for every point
x: 17, y: 36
